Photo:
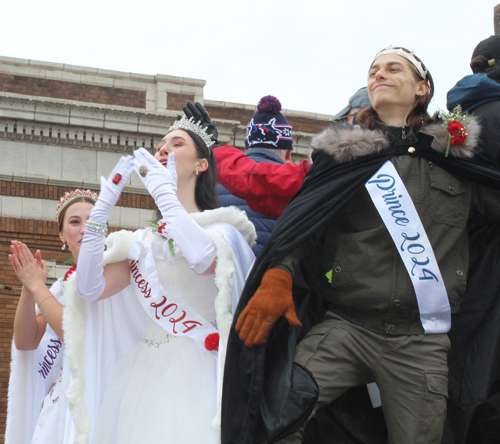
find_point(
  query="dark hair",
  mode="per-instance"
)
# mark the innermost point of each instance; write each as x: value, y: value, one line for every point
x: 205, y: 195
x: 63, y: 211
x: 418, y: 116
x: 479, y: 64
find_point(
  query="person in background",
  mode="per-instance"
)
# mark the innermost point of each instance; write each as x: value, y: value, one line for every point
x: 479, y: 93
x: 357, y: 101
x: 476, y: 409
x: 37, y: 407
x: 266, y: 187
x: 268, y: 139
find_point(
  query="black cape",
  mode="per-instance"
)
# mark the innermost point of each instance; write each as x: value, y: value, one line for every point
x: 266, y: 396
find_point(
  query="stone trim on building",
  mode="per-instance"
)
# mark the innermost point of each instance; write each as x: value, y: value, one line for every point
x: 303, y: 122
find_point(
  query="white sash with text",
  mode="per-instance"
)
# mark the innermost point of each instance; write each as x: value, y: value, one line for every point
x: 396, y: 209
x: 49, y: 358
x: 174, y: 315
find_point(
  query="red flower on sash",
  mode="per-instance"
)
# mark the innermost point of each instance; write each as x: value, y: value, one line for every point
x: 162, y: 227
x: 212, y: 342
x: 70, y: 272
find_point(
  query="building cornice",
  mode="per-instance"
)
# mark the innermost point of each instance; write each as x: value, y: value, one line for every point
x: 253, y: 108
x: 102, y: 127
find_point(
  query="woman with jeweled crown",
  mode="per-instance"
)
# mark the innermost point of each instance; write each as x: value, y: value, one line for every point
x: 179, y: 282
x: 37, y: 406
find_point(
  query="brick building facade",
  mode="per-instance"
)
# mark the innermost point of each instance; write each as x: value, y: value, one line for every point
x: 62, y: 127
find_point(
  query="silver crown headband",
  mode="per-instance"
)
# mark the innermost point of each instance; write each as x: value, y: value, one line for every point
x: 410, y: 56
x: 190, y: 125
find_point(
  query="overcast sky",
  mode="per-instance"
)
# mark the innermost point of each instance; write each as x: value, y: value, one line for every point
x: 312, y: 55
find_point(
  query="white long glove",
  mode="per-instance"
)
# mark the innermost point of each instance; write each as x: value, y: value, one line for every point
x: 193, y: 241
x: 90, y: 282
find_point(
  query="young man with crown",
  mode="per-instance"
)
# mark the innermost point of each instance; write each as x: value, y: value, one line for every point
x: 37, y: 411
x: 378, y: 236
x: 156, y: 306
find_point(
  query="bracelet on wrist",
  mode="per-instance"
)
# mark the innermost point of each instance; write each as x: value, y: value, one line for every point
x: 96, y: 227
x: 44, y: 299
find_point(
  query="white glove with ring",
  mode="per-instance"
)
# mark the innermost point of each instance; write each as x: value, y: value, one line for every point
x: 193, y: 241
x: 90, y: 282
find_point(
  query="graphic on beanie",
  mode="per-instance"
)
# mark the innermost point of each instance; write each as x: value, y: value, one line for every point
x: 263, y: 133
x: 268, y: 127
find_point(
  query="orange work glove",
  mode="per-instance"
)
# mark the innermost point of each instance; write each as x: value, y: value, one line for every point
x: 272, y: 299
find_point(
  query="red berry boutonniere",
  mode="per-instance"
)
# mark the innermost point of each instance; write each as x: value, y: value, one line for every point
x: 457, y: 133
x: 455, y: 122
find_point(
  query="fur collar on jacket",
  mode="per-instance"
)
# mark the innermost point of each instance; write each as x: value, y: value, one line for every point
x: 348, y: 142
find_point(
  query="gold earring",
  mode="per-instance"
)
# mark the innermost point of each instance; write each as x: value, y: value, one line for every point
x: 63, y: 247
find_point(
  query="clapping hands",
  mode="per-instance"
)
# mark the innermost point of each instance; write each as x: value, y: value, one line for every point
x: 31, y: 271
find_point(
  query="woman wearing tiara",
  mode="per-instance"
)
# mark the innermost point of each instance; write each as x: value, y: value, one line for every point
x: 186, y: 274
x: 37, y: 407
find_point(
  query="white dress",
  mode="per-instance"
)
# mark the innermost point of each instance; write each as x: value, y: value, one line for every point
x: 165, y: 392
x: 166, y: 388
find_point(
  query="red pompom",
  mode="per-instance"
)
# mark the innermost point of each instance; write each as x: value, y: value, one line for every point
x: 212, y: 342
x: 269, y: 104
